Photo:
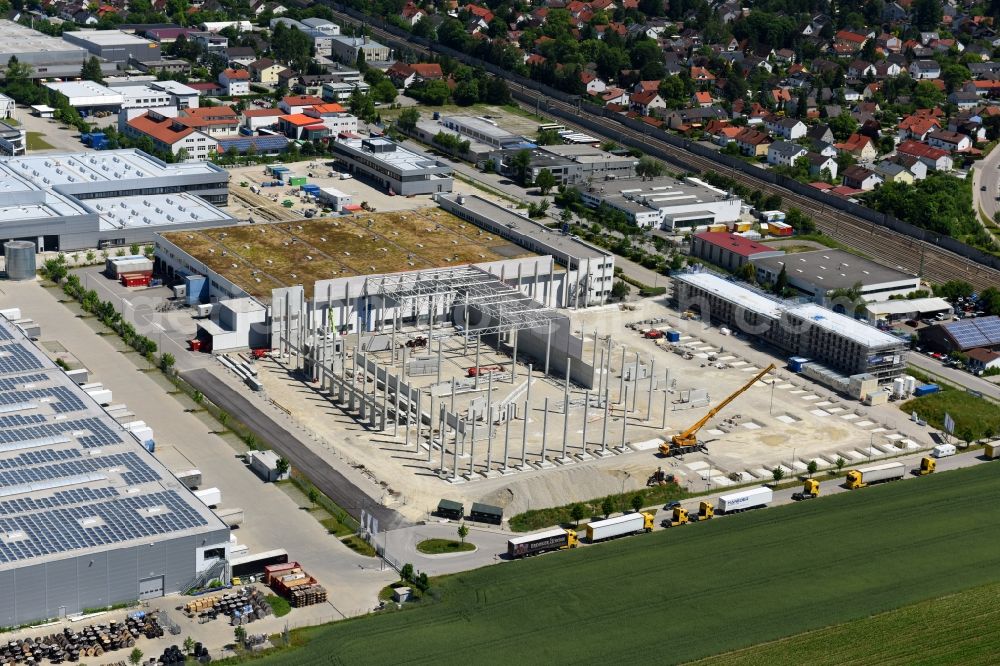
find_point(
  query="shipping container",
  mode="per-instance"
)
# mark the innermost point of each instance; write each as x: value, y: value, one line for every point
x: 744, y: 499
x: 673, y: 336
x: 486, y: 513
x: 451, y: 510
x: 630, y: 523
x: 797, y: 363
x: 864, y: 476
x: 539, y: 543
x: 926, y: 389
x: 297, y: 180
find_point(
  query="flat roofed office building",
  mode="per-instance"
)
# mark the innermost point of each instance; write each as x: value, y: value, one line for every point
x: 88, y: 517
x: 818, y: 273
x: 393, y: 167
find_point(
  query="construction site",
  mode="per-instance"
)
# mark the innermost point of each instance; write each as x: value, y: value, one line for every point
x: 443, y: 410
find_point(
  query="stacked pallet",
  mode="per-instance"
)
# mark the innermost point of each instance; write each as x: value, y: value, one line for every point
x: 88, y: 642
x: 291, y: 581
x: 308, y: 595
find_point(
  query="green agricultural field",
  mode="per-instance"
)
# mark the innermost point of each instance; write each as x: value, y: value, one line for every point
x: 949, y: 630
x: 699, y: 590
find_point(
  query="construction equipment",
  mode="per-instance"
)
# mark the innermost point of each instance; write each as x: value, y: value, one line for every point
x: 810, y: 489
x: 659, y: 478
x: 927, y: 466
x: 654, y: 334
x: 483, y: 370
x: 687, y: 441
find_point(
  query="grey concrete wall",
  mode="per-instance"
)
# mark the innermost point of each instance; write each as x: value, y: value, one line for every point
x: 69, y: 585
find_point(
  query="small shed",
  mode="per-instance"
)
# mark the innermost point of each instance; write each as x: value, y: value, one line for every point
x: 265, y: 465
x: 450, y: 509
x: 486, y: 513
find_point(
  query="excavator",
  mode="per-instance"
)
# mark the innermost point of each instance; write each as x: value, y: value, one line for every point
x: 687, y: 441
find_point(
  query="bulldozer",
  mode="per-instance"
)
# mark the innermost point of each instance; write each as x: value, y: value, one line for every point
x: 687, y: 441
x: 659, y: 478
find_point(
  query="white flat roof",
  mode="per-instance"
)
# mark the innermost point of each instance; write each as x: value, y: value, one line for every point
x: 734, y: 292
x: 105, y: 165
x: 15, y: 38
x: 109, y: 37
x: 401, y: 158
x: 843, y: 325
x: 175, y: 87
x: 154, y: 210
x: 77, y: 89
x: 913, y: 305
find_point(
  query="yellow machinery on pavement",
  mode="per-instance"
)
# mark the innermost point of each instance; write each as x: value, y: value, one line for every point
x: 687, y: 441
x: 927, y: 466
x: 810, y: 489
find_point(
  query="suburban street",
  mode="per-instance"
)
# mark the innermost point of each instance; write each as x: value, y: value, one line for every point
x: 954, y: 375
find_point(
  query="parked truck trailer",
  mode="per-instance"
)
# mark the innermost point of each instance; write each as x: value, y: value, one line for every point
x: 541, y: 542
x: 865, y: 476
x: 744, y: 500
x: 630, y: 523
x: 992, y: 451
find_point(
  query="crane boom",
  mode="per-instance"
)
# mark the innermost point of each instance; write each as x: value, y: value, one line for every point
x: 688, y: 440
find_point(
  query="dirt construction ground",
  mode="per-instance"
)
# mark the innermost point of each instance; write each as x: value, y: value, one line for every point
x: 782, y: 420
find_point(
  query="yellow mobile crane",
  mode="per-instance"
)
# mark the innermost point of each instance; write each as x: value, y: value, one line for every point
x: 687, y: 441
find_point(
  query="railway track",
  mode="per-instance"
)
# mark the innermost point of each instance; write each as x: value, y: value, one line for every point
x: 879, y: 243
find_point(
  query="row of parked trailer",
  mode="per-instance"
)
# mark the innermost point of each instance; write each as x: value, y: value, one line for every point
x: 744, y: 500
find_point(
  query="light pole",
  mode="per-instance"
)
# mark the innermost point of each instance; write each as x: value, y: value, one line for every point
x: 626, y: 478
x: 771, y: 408
x: 871, y: 443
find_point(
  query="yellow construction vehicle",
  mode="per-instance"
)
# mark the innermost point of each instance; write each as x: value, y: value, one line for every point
x: 687, y: 441
x: 810, y: 489
x: 927, y: 466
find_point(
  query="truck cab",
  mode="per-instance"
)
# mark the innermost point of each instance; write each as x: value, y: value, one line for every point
x: 927, y: 466
x: 572, y: 540
x: 647, y: 521
x: 680, y: 516
x: 854, y: 480
x: 810, y: 489
x: 705, y: 511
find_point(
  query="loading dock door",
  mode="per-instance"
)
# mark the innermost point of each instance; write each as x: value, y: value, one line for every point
x: 151, y: 588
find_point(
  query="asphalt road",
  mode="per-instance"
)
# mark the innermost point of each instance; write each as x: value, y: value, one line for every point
x: 330, y: 482
x: 954, y: 375
x: 987, y: 174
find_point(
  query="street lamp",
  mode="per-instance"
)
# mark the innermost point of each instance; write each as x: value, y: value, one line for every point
x: 626, y: 478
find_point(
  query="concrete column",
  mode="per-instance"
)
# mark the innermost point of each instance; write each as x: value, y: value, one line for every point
x: 649, y: 397
x: 569, y: 270
x: 420, y: 419
x: 604, y: 434
x: 395, y: 413
x: 454, y: 465
x: 586, y: 413
x: 566, y: 408
x: 430, y: 322
x: 586, y: 284
x: 545, y: 427
x: 513, y: 367
x: 527, y: 415
x: 551, y: 285
x: 624, y: 416
x: 442, y: 428
x: 472, y: 445
x: 479, y: 340
x: 465, y: 344
x: 354, y: 379
x: 489, y: 423
x: 506, y: 443
x: 621, y: 383
x: 430, y: 434
x: 548, y: 346
x: 666, y: 394
x: 600, y: 375
x: 635, y: 385
x: 385, y: 399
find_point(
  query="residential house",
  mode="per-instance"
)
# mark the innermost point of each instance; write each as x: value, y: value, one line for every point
x: 412, y: 14
x: 6, y: 107
x: 787, y: 128
x: 265, y: 71
x: 615, y: 96
x: 847, y: 41
x: 860, y: 146
x: 925, y: 69
x: 860, y: 68
x: 647, y: 103
x: 593, y: 83
x: 819, y: 163
x: 982, y: 359
x: 240, y: 56
x: 702, y: 99
x: 894, y: 173
x: 911, y: 164
x: 916, y: 127
x: 401, y: 74
x: 935, y: 158
x: 170, y: 135
x: 694, y: 116
x: 293, y: 104
x: 953, y: 142
x: 820, y: 132
x: 965, y: 100
x: 701, y: 75
x: 784, y: 153
x: 753, y: 143
x: 860, y: 178
x: 235, y: 81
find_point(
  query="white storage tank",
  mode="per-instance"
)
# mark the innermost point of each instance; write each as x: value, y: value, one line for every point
x: 20, y: 260
x: 899, y: 387
x: 910, y: 383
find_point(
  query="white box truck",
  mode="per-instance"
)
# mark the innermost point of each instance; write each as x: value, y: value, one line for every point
x: 864, y: 476
x: 210, y: 496
x: 630, y: 523
x: 943, y: 450
x: 190, y: 478
x: 744, y: 499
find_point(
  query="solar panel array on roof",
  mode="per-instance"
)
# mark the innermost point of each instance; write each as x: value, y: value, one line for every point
x: 242, y: 144
x: 15, y: 358
x: 96, y: 524
x: 969, y: 333
x: 61, y: 498
x: 132, y: 469
x: 65, y: 399
x: 101, y: 434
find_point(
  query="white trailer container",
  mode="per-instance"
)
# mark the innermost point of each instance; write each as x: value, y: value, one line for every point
x: 618, y: 526
x: 13, y: 314
x: 744, y: 499
x: 943, y: 450
x: 864, y: 476
x: 210, y: 496
x: 190, y: 478
x: 101, y: 397
x: 203, y: 310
